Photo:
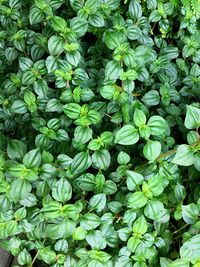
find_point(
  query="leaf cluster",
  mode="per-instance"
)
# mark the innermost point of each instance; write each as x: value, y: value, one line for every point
x: 99, y: 132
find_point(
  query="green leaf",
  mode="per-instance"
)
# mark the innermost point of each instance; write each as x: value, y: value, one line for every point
x: 124, y: 233
x: 101, y: 159
x: 55, y: 45
x: 81, y: 162
x: 90, y: 221
x: 32, y: 159
x: 19, y: 107
x: 127, y: 135
x: 157, y: 184
x: 190, y: 250
x: 98, y: 202
x: 96, y: 240
x: 61, y: 245
x: 51, y: 64
x: 151, y: 98
x: 133, y: 32
x: 140, y: 225
x: 152, y: 4
x: 155, y: 16
x: 107, y: 92
x: 18, y: 170
x: 139, y: 118
x: 96, y: 20
x: 180, y: 192
x: 55, y: 231
x: 51, y: 210
x: 157, y: 125
x: 133, y: 180
x: 82, y: 134
x: 86, y: 182
x: 133, y: 243
x: 41, y: 88
x: 19, y: 190
x: 25, y: 63
x: 100, y: 255
x: 184, y: 156
x: 11, y: 53
x: 152, y: 150
x: 190, y: 213
x: 74, y: 58
x: 41, y: 4
x: 155, y: 210
x: 192, y: 119
x: 62, y: 190
x: 109, y: 187
x: 79, y: 233
x: 79, y: 26
x: 8, y: 228
x: 135, y: 9
x: 114, y: 39
x: 24, y: 257
x: 47, y: 255
x: 107, y: 137
x: 16, y: 149
x: 53, y: 105
x: 113, y: 70
x: 72, y: 110
x: 58, y: 24
x: 35, y: 15
x: 179, y: 263
x: 92, y: 5
x: 123, y: 158
x: 28, y: 78
x: 137, y: 200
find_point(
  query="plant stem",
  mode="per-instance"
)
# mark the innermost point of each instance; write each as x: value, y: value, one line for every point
x: 152, y: 29
x: 167, y: 154
x: 34, y: 259
x: 183, y: 227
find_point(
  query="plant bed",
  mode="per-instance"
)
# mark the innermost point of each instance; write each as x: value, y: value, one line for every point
x: 99, y: 132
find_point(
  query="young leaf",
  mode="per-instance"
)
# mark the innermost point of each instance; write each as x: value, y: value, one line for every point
x: 184, y: 156
x: 192, y: 119
x: 139, y: 118
x: 140, y: 225
x: 152, y: 150
x: 98, y: 202
x: 127, y: 135
x: 157, y: 125
x: 137, y: 200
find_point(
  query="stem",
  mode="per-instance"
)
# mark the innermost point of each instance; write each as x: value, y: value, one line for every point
x: 108, y: 116
x: 136, y: 94
x: 121, y: 64
x: 183, y: 227
x: 173, y: 151
x: 152, y: 29
x: 34, y: 259
x: 167, y: 154
x: 197, y: 132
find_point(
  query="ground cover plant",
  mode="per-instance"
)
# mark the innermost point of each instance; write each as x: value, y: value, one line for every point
x: 99, y: 142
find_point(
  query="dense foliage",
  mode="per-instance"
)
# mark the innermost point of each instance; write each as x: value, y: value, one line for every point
x: 99, y: 118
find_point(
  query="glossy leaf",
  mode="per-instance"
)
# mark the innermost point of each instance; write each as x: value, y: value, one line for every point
x: 127, y: 135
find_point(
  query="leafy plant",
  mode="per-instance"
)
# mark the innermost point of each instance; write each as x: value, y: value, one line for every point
x: 99, y: 121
